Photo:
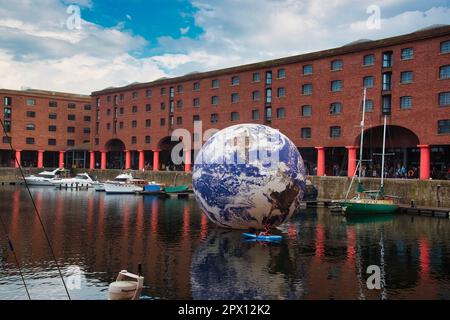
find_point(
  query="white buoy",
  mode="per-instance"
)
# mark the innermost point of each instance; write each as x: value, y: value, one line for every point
x: 128, y: 286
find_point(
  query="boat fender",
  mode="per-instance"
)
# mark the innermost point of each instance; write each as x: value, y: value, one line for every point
x: 122, y: 290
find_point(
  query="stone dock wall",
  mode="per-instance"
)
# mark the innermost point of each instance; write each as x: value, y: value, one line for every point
x: 423, y: 192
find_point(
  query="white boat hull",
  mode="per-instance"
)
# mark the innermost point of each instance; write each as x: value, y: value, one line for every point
x: 115, y: 188
x: 39, y: 182
x: 99, y: 187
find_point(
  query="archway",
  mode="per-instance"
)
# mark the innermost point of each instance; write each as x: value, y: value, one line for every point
x: 401, y: 150
x: 115, y: 149
x: 165, y: 146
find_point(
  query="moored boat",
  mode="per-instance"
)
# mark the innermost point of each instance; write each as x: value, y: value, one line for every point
x: 153, y: 188
x: 42, y: 179
x: 178, y: 189
x: 80, y: 180
x: 124, y: 184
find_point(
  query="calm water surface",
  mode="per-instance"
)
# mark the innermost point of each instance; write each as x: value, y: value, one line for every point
x: 183, y: 256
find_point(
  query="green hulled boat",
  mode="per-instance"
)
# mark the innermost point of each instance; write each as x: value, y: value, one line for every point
x: 368, y: 202
x: 177, y: 189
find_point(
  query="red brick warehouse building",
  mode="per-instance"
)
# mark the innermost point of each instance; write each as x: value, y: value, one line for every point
x: 45, y: 128
x: 315, y: 99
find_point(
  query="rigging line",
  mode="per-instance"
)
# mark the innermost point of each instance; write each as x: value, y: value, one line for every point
x: 11, y: 247
x: 36, y: 211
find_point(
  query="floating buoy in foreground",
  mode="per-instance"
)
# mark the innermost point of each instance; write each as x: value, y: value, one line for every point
x: 128, y: 286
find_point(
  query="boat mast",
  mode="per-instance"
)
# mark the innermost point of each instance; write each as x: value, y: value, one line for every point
x: 383, y: 153
x: 362, y: 136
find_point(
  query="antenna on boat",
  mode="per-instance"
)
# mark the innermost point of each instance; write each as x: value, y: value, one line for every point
x: 35, y: 210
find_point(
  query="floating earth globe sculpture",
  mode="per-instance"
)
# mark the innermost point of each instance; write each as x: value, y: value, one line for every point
x: 249, y: 176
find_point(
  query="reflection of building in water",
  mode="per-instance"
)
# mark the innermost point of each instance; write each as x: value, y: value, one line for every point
x: 321, y: 257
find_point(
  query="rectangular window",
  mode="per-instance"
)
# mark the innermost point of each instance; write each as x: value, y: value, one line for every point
x: 135, y: 95
x: 214, y: 118
x: 195, y: 118
x: 336, y: 65
x: 235, y: 97
x: 215, y: 100
x: 268, y: 96
x: 179, y: 121
x: 31, y: 127
x: 53, y: 104
x: 444, y: 99
x: 108, y: 99
x: 97, y: 141
x: 7, y: 113
x: 387, y: 59
x: 407, y: 54
x: 29, y: 140
x: 8, y: 101
x: 148, y: 93
x: 87, y: 118
x: 162, y: 106
x: 234, y: 116
x: 108, y: 126
x: 215, y: 83
x: 268, y: 78
x: 386, y: 108
x: 86, y: 130
x: 162, y: 122
x: 281, y: 74
x: 369, y: 60
x: 133, y: 140
x: 406, y: 102
x: 7, y: 139
x: 52, y: 142
x: 116, y: 100
x: 281, y: 113
x: 255, y: 114
x: 336, y: 85
x: 71, y: 129
x: 31, y: 114
x: 335, y: 108
x: 196, y: 86
x: 369, y: 106
x: 368, y: 82
x: 306, y: 111
x: 281, y: 92
x: 335, y: 132
x: 180, y: 88
x: 172, y: 92
x: 121, y: 97
x: 256, y: 95
x: 387, y: 81
x: 444, y: 72
x: 307, y: 89
x: 406, y: 77
x: 121, y: 110
x: 97, y: 102
x: 148, y: 107
x: 163, y: 91
x: 120, y: 125
x: 134, y: 124
x: 148, y: 123
x: 7, y: 125
x: 134, y: 109
x: 445, y: 47
x: 235, y: 80
x: 71, y: 105
x: 268, y: 114
x: 256, y: 77
x: 306, y: 133
x: 52, y: 128
x: 444, y: 126
x: 307, y: 69
x: 148, y: 139
x: 71, y: 117
x: 180, y: 104
x: 87, y: 107
x: 196, y: 102
x: 31, y: 102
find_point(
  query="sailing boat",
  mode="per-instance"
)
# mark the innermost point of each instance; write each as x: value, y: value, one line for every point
x: 371, y: 201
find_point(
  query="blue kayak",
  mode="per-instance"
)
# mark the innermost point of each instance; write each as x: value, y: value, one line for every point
x: 262, y: 238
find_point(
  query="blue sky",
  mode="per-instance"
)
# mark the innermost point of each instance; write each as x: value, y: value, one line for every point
x: 120, y: 42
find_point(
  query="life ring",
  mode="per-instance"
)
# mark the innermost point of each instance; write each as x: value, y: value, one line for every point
x: 410, y: 173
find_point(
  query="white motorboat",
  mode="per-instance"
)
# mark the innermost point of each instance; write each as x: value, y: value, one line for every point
x: 80, y: 180
x: 99, y: 186
x: 43, y: 179
x: 123, y: 184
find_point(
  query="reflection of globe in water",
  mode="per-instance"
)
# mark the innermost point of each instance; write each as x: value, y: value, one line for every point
x: 248, y: 175
x: 225, y: 268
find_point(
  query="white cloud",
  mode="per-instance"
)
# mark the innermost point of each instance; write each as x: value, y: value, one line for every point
x: 38, y: 50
